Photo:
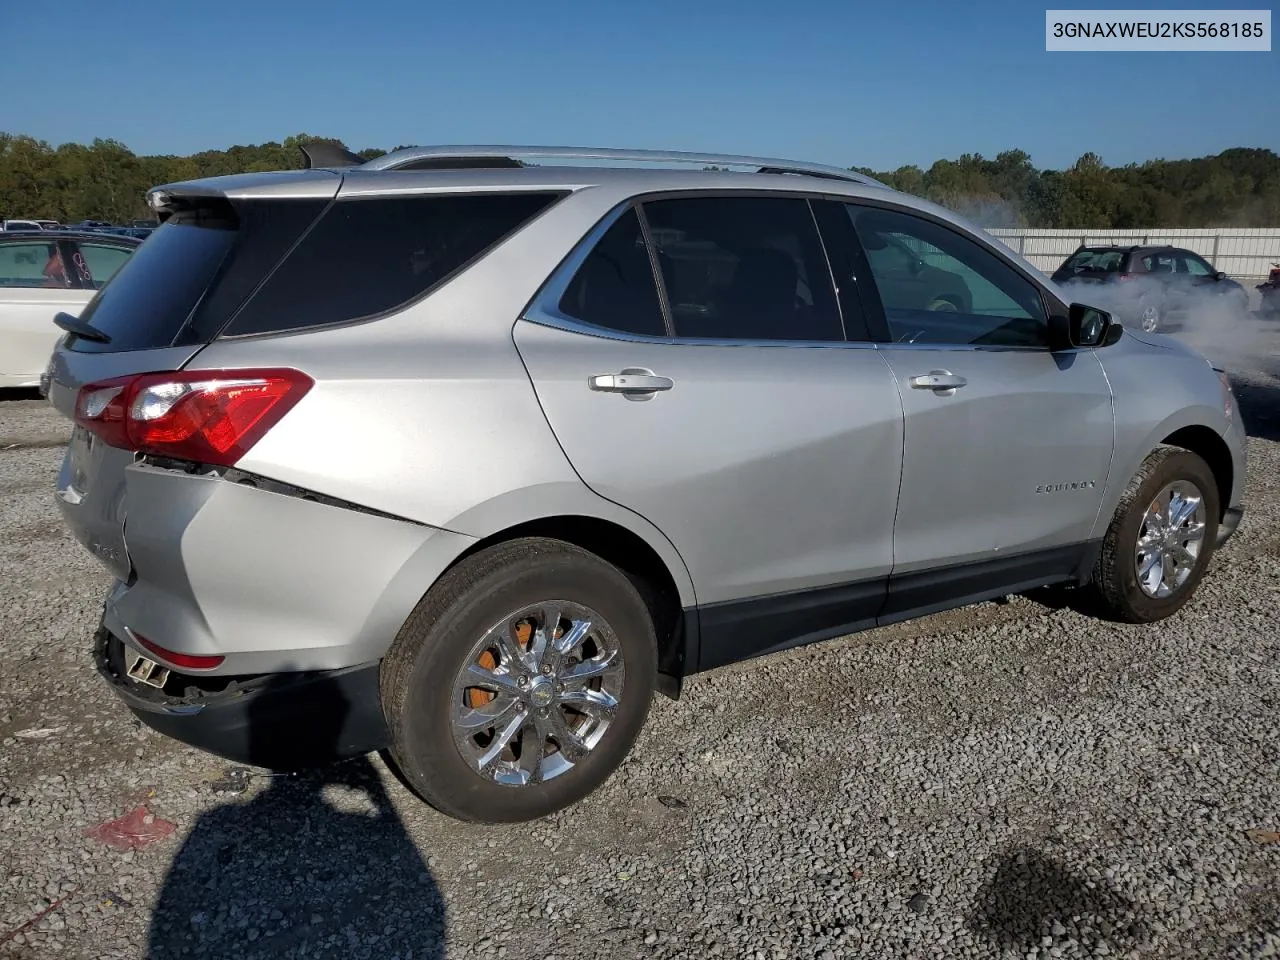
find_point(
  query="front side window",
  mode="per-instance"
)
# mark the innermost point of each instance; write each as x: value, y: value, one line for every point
x: 1195, y: 266
x: 951, y: 290
x: 614, y: 288
x: 28, y: 264
x: 744, y: 268
x: 1160, y: 263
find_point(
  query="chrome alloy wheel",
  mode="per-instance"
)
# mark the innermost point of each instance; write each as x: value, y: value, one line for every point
x: 537, y: 693
x: 1169, y: 539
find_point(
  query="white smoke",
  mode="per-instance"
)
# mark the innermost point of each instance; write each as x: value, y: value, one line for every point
x: 1231, y: 331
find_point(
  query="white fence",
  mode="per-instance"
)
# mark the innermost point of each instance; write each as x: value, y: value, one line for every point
x: 1241, y: 252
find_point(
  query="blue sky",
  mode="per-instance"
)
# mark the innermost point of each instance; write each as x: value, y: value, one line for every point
x: 880, y: 84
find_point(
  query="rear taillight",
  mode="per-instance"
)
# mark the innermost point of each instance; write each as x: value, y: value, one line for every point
x: 1124, y: 276
x: 184, y: 661
x: 208, y: 416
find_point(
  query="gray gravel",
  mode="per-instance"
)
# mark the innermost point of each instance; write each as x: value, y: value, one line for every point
x: 1007, y: 780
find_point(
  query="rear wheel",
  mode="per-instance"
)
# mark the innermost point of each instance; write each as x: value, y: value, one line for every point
x: 1160, y: 539
x: 520, y: 682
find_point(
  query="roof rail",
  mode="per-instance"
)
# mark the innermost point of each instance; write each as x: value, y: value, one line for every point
x: 439, y: 157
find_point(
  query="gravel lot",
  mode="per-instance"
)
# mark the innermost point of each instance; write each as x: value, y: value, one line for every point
x: 1004, y: 780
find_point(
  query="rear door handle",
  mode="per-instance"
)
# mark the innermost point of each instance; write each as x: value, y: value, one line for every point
x: 941, y: 381
x: 636, y: 384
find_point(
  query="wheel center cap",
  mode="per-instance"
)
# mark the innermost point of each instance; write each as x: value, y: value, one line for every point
x: 542, y: 691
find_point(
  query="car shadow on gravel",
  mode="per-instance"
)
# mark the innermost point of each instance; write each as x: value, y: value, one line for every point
x: 318, y: 864
x: 1034, y: 901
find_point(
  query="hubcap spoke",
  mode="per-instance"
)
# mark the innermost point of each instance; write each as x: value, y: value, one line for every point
x: 495, y: 712
x: 501, y: 739
x: 544, y: 637
x: 1193, y: 532
x: 1181, y: 511
x: 497, y: 680
x: 573, y: 637
x: 589, y: 669
x: 571, y: 745
x: 1149, y: 563
x: 594, y: 703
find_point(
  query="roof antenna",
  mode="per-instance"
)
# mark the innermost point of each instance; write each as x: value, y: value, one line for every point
x: 324, y: 153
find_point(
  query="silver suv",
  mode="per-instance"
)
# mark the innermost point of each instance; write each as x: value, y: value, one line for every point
x: 460, y: 456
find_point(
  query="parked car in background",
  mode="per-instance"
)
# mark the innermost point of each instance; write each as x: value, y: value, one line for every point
x: 12, y: 226
x: 43, y: 273
x: 1154, y: 287
x: 464, y: 458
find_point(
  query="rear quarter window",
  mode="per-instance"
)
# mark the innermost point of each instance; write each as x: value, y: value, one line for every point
x: 369, y: 256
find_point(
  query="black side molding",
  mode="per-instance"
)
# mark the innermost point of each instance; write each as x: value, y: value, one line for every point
x: 325, y: 154
x: 81, y: 329
x: 737, y: 630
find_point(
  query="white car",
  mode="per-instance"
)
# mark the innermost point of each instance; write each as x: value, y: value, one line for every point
x: 41, y: 275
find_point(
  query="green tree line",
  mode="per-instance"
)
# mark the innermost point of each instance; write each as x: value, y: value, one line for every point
x: 1239, y: 187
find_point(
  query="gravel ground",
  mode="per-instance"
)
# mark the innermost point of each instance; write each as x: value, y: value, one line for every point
x: 1007, y: 780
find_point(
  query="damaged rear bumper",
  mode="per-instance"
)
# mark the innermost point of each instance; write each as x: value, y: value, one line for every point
x: 281, y: 721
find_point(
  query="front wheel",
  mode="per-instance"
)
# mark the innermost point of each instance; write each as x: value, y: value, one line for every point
x: 1149, y: 316
x: 1160, y: 539
x: 520, y: 682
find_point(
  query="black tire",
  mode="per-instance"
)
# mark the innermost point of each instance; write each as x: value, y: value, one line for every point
x: 427, y: 655
x: 1115, y: 578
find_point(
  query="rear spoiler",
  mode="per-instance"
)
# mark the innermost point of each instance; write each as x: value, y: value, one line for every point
x: 328, y: 154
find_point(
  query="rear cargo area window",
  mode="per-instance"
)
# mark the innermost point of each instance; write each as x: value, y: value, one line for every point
x: 366, y: 257
x: 148, y: 300
x: 181, y: 285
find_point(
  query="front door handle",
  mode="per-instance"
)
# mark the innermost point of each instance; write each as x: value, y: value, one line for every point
x: 940, y: 381
x: 633, y: 383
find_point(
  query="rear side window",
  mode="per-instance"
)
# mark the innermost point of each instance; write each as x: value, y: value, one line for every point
x: 99, y: 262
x: 614, y: 287
x: 744, y: 268
x: 1100, y: 261
x: 366, y: 257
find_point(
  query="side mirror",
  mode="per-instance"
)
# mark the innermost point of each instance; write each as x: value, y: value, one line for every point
x: 1219, y: 275
x: 1083, y: 326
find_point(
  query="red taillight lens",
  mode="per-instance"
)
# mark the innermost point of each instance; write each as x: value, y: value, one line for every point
x: 1124, y: 276
x: 208, y: 416
x: 186, y: 661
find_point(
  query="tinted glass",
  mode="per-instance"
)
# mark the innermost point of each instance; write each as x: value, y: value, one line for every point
x: 32, y: 265
x: 614, y: 287
x: 98, y: 262
x: 365, y: 257
x: 951, y: 290
x: 744, y: 268
x: 151, y: 296
x: 1159, y: 263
